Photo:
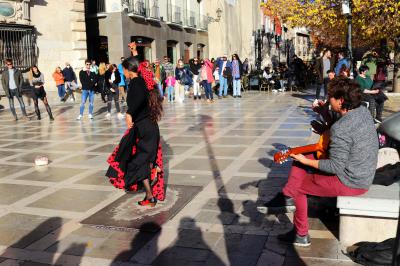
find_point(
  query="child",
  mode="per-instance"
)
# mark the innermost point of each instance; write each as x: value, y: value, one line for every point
x: 170, y: 82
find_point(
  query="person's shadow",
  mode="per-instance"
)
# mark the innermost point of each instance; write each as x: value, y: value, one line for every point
x: 147, y: 232
x: 51, y: 229
x: 189, y: 244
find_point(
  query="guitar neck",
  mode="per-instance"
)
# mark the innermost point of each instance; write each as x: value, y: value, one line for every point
x: 305, y: 149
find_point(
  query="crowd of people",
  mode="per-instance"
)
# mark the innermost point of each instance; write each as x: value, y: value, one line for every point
x: 370, y: 77
x: 197, y: 79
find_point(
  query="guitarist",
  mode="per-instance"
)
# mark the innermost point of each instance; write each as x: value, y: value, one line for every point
x: 348, y: 171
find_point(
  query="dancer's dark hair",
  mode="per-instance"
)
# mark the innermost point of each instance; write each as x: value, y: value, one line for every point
x: 155, y: 100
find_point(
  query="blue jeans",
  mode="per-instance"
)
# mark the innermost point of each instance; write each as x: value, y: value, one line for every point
x: 160, y: 88
x: 236, y: 87
x: 61, y: 90
x: 223, y: 85
x: 85, y: 95
x: 208, y: 90
x: 170, y: 93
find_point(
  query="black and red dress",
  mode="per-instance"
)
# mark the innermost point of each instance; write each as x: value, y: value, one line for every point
x: 139, y: 152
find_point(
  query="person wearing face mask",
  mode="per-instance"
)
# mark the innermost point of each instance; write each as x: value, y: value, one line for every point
x: 70, y: 82
x: 225, y: 73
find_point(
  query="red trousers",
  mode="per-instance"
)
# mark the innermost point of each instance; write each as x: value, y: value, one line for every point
x: 300, y: 184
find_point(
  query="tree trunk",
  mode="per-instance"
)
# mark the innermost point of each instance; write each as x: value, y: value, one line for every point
x: 396, y: 71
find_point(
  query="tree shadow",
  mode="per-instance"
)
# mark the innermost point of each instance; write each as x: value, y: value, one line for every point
x: 35, y: 240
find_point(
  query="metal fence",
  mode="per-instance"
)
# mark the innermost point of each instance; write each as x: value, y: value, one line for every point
x: 18, y: 43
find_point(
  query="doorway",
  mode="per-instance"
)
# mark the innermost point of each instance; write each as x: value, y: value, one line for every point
x: 143, y: 46
x: 172, y: 51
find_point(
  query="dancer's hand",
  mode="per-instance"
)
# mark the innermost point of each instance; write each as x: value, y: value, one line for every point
x: 132, y: 47
x: 128, y: 120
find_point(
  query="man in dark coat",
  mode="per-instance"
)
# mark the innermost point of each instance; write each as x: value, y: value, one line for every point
x: 12, y: 81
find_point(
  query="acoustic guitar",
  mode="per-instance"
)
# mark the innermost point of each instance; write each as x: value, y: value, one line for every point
x: 321, y: 148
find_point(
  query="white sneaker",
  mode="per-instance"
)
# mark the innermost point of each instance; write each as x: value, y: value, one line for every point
x: 71, y: 100
x: 274, y: 91
x: 108, y: 116
x: 90, y: 116
x: 79, y: 117
x: 120, y: 116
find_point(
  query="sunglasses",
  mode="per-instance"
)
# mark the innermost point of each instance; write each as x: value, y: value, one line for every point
x: 8, y: 64
x: 88, y: 64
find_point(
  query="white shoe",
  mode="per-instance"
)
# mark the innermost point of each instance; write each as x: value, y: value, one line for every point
x: 90, y: 116
x: 274, y: 91
x: 120, y: 116
x: 108, y: 116
x: 315, y: 103
x: 71, y: 100
x: 79, y: 117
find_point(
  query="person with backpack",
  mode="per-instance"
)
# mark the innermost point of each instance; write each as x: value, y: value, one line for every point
x: 225, y: 73
x: 183, y: 80
x: 70, y: 81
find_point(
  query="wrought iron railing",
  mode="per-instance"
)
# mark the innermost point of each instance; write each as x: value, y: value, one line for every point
x: 174, y: 14
x: 19, y: 44
x: 203, y: 23
x: 153, y: 9
x: 189, y: 18
x: 137, y: 7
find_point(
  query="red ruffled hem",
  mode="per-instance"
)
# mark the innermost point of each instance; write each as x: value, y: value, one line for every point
x: 158, y: 184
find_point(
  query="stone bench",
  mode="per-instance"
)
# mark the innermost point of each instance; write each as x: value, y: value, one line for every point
x: 370, y: 217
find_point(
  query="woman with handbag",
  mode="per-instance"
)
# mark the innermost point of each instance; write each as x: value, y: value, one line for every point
x: 183, y: 80
x: 36, y: 80
x: 101, y: 81
x: 112, y: 79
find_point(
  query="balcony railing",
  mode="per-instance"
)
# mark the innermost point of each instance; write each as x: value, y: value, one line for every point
x: 153, y: 10
x: 203, y: 23
x: 137, y: 7
x: 190, y: 19
x: 174, y: 14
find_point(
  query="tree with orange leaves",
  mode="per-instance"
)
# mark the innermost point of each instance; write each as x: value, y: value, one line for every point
x: 373, y: 21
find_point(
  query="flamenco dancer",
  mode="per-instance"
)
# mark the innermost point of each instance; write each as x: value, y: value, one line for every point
x: 136, y: 162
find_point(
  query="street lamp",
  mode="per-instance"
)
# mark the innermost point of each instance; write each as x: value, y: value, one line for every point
x: 211, y: 19
x: 346, y: 10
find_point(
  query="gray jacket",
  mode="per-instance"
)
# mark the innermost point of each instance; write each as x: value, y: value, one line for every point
x: 353, y: 151
x: 5, y: 80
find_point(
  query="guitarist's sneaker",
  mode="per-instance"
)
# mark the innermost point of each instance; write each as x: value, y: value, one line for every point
x: 279, y: 204
x: 295, y: 239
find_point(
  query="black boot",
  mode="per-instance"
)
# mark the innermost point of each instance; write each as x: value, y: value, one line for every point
x: 49, y: 112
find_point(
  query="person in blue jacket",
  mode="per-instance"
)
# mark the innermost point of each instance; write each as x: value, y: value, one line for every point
x: 225, y: 73
x: 342, y: 61
x: 122, y: 84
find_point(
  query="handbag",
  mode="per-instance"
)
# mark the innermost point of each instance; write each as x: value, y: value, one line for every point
x: 227, y: 73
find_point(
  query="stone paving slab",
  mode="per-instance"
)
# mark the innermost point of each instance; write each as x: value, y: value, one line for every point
x: 224, y: 149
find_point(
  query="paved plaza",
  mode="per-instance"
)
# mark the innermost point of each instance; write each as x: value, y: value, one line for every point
x: 218, y: 162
